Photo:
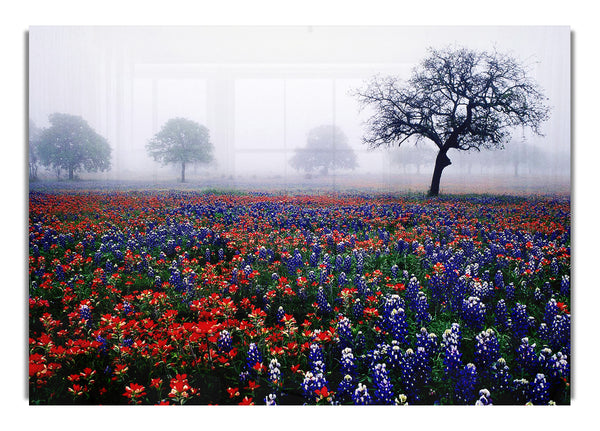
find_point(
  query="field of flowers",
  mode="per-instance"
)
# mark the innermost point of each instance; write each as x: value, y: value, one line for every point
x: 183, y: 297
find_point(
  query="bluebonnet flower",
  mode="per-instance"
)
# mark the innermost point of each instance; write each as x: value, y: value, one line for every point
x: 408, y: 376
x: 452, y: 362
x: 324, y: 306
x: 501, y: 315
x: 361, y: 285
x: 384, y: 392
x: 539, y: 394
x: 484, y: 398
x: 554, y: 266
x: 127, y: 308
x: 474, y: 313
x: 422, y: 367
x: 526, y: 356
x: 313, y: 260
x: 499, y: 280
x: 396, y: 325
x: 270, y: 400
x: 395, y: 356
x: 85, y: 313
x: 323, y: 276
x: 103, y: 344
x: 457, y: 292
x: 558, y: 367
x: 412, y: 290
x: 519, y: 321
x: 315, y: 358
x: 427, y: 341
x: 275, y: 372
x: 253, y: 357
x: 560, y: 338
x: 482, y: 290
x: 394, y: 271
x: 280, y: 314
x: 543, y: 333
x: 550, y: 311
x: 347, y: 364
x: 357, y: 309
x: 438, y: 287
x: 509, y: 291
x: 359, y: 263
x: 520, y: 390
x: 465, y: 390
x: 422, y: 309
x: 565, y: 285
x: 345, y: 387
x: 311, y: 384
x: 538, y: 296
x: 452, y: 336
x: 361, y: 396
x: 487, y: 350
x: 347, y: 264
x: 501, y: 377
x: 378, y: 354
x: 224, y: 343
x: 360, y: 344
x: 344, y: 331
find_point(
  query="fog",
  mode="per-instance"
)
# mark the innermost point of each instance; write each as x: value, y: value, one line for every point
x: 260, y: 90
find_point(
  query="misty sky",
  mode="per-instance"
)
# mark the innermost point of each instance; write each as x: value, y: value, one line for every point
x: 260, y: 90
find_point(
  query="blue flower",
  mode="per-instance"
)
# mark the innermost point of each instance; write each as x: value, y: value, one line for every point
x: 465, y: 391
x: 539, y: 394
x: 361, y: 396
x: 384, y: 392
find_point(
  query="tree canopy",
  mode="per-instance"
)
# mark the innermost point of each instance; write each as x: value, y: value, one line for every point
x: 70, y: 144
x: 326, y: 148
x: 34, y: 137
x: 181, y: 141
x: 457, y: 98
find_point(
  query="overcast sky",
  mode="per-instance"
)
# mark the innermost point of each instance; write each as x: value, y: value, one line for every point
x: 259, y: 90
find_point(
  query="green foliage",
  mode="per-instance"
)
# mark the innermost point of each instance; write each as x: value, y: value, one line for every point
x: 71, y: 144
x: 34, y: 161
x: 181, y: 141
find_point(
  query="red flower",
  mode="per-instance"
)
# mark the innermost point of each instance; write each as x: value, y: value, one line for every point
x: 246, y: 402
x: 134, y: 391
x: 323, y: 393
x: 252, y: 385
x: 233, y: 392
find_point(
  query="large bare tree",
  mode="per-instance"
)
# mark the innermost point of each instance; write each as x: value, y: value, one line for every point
x: 457, y: 98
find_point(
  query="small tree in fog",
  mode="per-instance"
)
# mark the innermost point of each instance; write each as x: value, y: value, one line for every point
x: 34, y: 160
x: 326, y: 148
x: 458, y: 99
x: 181, y: 142
x: 70, y: 144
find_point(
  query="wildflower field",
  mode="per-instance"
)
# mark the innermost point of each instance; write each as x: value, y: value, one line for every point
x: 158, y: 297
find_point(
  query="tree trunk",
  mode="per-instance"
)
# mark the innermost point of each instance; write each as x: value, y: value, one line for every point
x: 183, y: 172
x: 70, y: 173
x: 441, y: 161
